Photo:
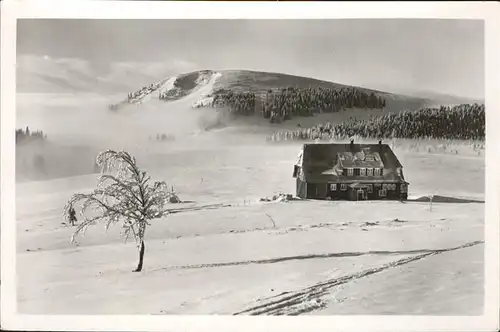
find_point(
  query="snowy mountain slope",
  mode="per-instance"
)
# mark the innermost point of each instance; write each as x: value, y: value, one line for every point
x: 49, y: 75
x: 175, y: 87
x: 180, y: 86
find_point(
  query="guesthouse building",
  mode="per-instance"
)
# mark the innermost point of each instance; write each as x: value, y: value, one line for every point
x: 349, y: 172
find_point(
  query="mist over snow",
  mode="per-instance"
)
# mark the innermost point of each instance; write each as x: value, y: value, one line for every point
x: 87, y: 120
x: 84, y: 120
x: 69, y: 98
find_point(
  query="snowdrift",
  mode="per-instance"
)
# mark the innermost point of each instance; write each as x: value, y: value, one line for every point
x: 444, y: 199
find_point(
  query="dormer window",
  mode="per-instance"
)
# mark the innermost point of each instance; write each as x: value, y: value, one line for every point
x: 362, y: 171
x: 378, y: 171
x: 350, y: 172
x: 369, y: 171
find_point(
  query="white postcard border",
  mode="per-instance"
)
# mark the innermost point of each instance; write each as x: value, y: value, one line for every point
x: 11, y: 11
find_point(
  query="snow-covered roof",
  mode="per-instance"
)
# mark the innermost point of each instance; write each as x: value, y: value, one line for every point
x: 366, y: 159
x: 325, y: 161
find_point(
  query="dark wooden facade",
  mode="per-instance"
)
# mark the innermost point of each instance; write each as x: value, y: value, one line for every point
x: 349, y: 172
x: 352, y: 191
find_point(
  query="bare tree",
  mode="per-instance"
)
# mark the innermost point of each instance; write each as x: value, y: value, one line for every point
x: 127, y: 198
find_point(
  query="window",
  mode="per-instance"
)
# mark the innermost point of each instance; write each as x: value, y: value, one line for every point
x: 343, y: 187
x: 350, y: 172
x: 378, y: 172
x: 362, y: 171
x: 356, y: 172
x: 384, y: 186
x: 369, y: 171
x: 403, y: 188
x: 382, y: 193
x: 369, y: 189
x: 333, y: 187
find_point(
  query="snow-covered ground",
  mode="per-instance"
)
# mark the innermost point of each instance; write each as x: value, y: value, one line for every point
x: 321, y: 258
x: 243, y: 257
x: 227, y: 260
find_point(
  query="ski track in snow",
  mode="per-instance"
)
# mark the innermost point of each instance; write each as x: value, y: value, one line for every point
x: 316, y: 256
x: 310, y: 298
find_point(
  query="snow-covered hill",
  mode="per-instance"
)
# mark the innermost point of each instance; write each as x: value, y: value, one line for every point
x: 180, y: 86
x: 184, y: 85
